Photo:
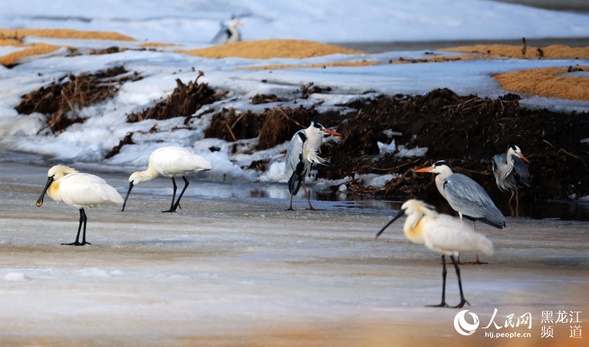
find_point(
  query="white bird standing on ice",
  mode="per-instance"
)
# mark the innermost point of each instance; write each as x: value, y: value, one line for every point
x: 229, y: 32
x: 465, y: 196
x: 79, y: 190
x: 302, y: 152
x: 442, y: 234
x: 511, y: 171
x: 169, y: 162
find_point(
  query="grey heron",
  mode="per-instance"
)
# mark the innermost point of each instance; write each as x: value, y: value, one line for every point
x: 302, y: 152
x: 80, y: 190
x: 442, y: 234
x: 169, y: 162
x: 465, y: 196
x: 229, y: 32
x: 511, y: 171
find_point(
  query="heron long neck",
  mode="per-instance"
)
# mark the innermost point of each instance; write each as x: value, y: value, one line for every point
x: 313, y: 140
x: 311, y: 147
x: 509, y: 159
x: 441, y: 178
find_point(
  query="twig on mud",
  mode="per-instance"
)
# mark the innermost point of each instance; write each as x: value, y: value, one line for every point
x: 550, y: 144
x: 573, y: 155
x: 230, y: 131
x: 484, y: 173
x: 237, y: 120
x: 290, y: 118
x: 396, y: 168
x: 65, y: 97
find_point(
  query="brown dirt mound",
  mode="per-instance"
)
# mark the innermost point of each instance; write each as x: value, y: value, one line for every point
x: 61, y: 102
x: 184, y: 101
x: 466, y: 131
x: 265, y: 49
x: 231, y: 125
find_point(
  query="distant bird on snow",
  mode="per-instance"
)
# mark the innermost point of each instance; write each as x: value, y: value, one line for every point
x: 442, y: 234
x: 79, y: 190
x: 301, y: 153
x: 229, y: 32
x: 169, y: 162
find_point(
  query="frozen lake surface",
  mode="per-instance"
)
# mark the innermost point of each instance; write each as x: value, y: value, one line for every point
x: 242, y: 271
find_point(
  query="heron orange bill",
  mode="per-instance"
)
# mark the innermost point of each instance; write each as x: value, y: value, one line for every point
x: 389, y: 223
x: 522, y: 157
x: 331, y: 132
x: 425, y: 169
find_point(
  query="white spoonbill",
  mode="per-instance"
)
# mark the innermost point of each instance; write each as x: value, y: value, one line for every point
x: 229, y: 32
x: 302, y: 152
x: 511, y: 171
x: 442, y: 234
x: 169, y: 162
x: 79, y: 190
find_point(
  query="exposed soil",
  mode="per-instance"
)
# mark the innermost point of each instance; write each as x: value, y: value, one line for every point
x: 466, y: 131
x: 184, y: 101
x: 61, y: 101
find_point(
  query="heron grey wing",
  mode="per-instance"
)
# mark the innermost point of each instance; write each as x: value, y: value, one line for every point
x: 294, y: 152
x: 468, y: 197
x: 498, y: 164
x: 296, y: 166
x: 222, y: 36
x: 503, y: 172
x: 522, y: 174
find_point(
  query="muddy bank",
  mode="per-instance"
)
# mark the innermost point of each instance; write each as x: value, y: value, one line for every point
x: 466, y: 131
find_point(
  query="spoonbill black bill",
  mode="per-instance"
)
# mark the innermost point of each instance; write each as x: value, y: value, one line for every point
x: 80, y: 190
x: 169, y: 162
x: 301, y: 154
x: 442, y: 234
